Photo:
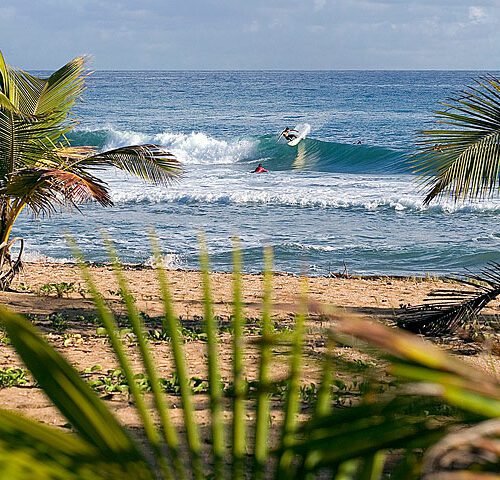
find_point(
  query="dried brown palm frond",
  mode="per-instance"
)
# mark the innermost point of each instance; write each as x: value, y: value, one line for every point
x: 446, y: 310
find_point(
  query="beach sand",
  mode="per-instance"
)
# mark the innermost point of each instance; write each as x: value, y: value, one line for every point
x: 75, y: 335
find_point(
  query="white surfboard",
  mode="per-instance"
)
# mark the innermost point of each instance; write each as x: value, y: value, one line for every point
x: 303, y: 130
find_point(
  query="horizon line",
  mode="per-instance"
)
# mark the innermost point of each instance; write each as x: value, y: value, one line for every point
x: 284, y: 70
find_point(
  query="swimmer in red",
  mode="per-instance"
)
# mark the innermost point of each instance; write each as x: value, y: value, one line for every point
x: 260, y: 169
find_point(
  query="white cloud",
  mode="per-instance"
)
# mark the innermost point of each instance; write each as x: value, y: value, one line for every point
x: 477, y: 14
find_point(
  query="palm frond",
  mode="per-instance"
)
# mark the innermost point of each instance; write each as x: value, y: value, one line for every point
x: 75, y: 154
x: 33, y: 113
x: 464, y: 159
x: 28, y: 89
x: 7, y: 104
x: 42, y: 189
x: 444, y: 311
x: 149, y: 162
x: 86, y: 412
x: 6, y: 85
x: 63, y: 88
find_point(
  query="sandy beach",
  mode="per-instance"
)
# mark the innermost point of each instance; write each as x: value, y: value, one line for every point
x: 69, y: 323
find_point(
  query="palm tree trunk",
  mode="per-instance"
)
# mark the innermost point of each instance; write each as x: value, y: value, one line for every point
x: 8, y: 268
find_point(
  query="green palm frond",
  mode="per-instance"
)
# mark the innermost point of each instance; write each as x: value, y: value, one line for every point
x: 28, y: 89
x: 54, y: 95
x: 444, y: 311
x: 63, y: 88
x: 6, y: 85
x: 42, y: 189
x: 368, y: 428
x: 464, y: 159
x: 33, y: 112
x: 149, y: 162
x: 86, y: 412
x: 6, y: 104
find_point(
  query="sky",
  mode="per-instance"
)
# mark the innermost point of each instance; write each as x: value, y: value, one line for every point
x: 252, y: 34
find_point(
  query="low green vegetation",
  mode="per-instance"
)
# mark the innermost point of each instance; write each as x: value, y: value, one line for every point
x: 13, y: 377
x: 59, y: 289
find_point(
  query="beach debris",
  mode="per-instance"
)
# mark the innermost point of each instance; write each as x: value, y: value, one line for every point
x: 444, y: 311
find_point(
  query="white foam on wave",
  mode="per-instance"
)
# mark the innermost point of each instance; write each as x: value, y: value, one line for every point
x: 314, y: 248
x: 199, y: 148
x: 224, y: 190
x: 168, y: 260
x: 192, y: 148
x: 37, y: 257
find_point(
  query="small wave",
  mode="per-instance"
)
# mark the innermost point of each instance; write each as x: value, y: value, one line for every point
x: 200, y: 148
x: 299, y: 198
x: 313, y: 248
x: 168, y: 260
x: 192, y: 148
x: 38, y: 257
x: 333, y: 157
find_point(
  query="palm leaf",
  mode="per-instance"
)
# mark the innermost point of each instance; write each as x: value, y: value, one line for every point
x: 446, y: 310
x: 26, y: 142
x: 63, y: 88
x: 149, y: 162
x: 7, y: 104
x: 42, y: 189
x: 33, y: 112
x: 71, y: 395
x: 464, y: 160
x: 460, y: 384
x: 368, y: 428
x: 30, y: 449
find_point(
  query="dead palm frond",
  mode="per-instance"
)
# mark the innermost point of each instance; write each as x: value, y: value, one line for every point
x: 447, y: 310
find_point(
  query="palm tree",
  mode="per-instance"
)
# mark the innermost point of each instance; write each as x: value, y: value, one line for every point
x: 39, y: 169
x: 463, y: 160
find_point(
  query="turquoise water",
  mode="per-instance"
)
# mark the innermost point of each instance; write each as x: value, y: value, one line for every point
x: 345, y: 197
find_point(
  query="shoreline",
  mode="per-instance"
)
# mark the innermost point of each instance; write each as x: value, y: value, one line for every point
x: 450, y: 277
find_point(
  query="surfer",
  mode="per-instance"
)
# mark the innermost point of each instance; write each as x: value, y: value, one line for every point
x: 287, y: 133
x: 260, y: 169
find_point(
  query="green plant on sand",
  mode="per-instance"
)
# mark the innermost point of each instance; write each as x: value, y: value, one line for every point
x: 39, y: 169
x: 384, y: 434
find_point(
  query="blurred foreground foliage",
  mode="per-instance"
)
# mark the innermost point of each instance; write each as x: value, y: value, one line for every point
x: 436, y: 417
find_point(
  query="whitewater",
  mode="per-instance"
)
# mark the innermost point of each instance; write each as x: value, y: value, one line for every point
x: 344, y: 198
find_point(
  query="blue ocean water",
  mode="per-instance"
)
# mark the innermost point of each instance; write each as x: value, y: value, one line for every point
x: 343, y: 198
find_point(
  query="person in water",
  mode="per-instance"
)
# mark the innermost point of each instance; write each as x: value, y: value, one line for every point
x: 260, y: 169
x: 287, y: 133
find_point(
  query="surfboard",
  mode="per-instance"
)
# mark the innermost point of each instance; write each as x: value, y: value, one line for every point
x: 303, y: 129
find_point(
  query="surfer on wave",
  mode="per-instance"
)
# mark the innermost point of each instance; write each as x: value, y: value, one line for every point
x: 260, y: 169
x: 287, y: 133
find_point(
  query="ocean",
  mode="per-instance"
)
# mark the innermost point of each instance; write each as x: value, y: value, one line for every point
x: 343, y: 200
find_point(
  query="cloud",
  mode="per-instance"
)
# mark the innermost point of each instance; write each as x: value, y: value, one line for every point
x: 213, y: 34
x: 477, y: 15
